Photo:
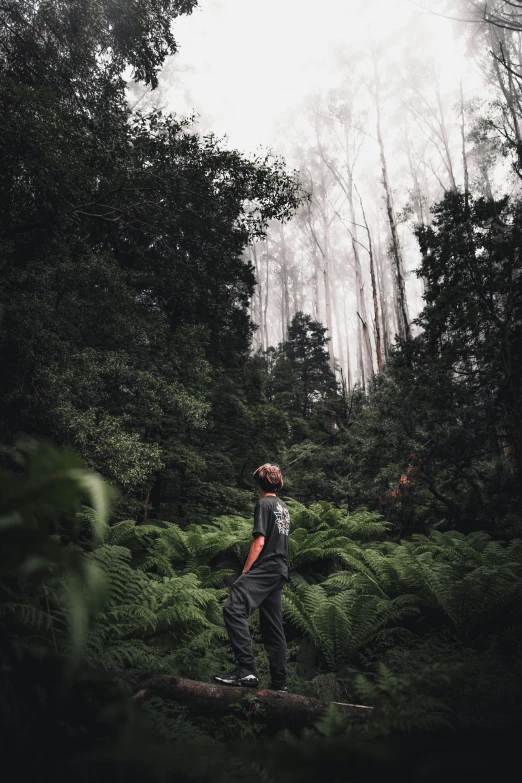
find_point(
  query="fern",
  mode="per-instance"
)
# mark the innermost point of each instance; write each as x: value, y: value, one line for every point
x: 341, y: 625
x: 405, y: 702
x: 359, y: 525
x: 36, y: 504
x: 305, y: 547
x: 471, y: 579
x: 142, y: 610
x: 167, y: 550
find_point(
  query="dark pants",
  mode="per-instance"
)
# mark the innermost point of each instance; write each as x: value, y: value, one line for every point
x: 258, y: 588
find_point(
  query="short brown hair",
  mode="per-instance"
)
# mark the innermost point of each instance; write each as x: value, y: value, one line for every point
x: 268, y: 477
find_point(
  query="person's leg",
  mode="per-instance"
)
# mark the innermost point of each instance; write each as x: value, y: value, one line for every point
x: 247, y: 593
x: 273, y: 636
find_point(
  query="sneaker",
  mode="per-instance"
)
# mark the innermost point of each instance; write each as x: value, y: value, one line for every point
x: 282, y: 688
x: 234, y: 677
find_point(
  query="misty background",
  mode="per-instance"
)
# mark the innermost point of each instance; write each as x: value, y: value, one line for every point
x: 376, y: 105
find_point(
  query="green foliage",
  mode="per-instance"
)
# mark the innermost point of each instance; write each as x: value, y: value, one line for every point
x: 340, y: 625
x: 435, y: 441
x: 35, y: 502
x: 145, y: 620
x: 407, y: 627
x: 406, y: 701
x: 124, y: 289
x: 301, y: 381
x: 359, y: 525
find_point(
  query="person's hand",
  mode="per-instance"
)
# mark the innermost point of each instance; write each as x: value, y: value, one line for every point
x: 244, y: 571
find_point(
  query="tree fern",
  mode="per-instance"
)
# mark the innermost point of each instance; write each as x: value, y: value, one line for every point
x: 471, y: 579
x: 142, y: 610
x: 359, y: 525
x: 405, y: 702
x: 340, y: 625
x: 167, y: 549
x: 306, y: 547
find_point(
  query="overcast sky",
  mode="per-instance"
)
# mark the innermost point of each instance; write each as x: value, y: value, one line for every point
x: 243, y: 65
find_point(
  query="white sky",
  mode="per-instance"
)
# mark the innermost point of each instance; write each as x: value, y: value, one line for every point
x: 243, y: 65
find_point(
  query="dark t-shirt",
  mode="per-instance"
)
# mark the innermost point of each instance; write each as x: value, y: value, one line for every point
x: 272, y: 520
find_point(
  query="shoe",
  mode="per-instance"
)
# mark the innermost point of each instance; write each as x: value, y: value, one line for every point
x: 234, y: 677
x: 281, y: 688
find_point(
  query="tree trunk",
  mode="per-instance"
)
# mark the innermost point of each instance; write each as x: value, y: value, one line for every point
x: 366, y: 368
x: 283, y: 324
x: 258, y: 301
x: 382, y: 300
x: 463, y: 136
x: 274, y: 708
x: 338, y: 331
x: 445, y: 141
x: 500, y: 50
x: 324, y: 251
x: 265, y: 314
x: 377, y: 323
x: 348, y: 362
x: 286, y: 291
x: 328, y: 295
x: 418, y: 205
x: 315, y: 286
x: 402, y: 304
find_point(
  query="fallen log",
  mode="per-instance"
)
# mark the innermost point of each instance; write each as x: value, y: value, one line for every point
x: 274, y: 708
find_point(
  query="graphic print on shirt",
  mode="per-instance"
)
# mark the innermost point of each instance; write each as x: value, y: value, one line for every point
x: 282, y: 519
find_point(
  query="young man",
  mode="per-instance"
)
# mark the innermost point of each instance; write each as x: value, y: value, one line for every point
x: 259, y: 587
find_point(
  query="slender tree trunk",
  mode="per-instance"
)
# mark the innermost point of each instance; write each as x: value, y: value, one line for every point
x: 445, y: 141
x: 483, y: 168
x: 360, y: 360
x: 347, y: 341
x: 366, y: 363
x: 418, y: 205
x: 315, y: 286
x: 265, y: 314
x: 328, y: 294
x: 296, y: 294
x: 402, y: 304
x: 426, y: 191
x: 324, y: 250
x: 365, y: 349
x: 338, y: 329
x: 286, y: 293
x: 464, y: 153
x: 258, y: 301
x: 382, y: 300
x: 377, y: 322
x: 500, y: 49
x: 417, y: 195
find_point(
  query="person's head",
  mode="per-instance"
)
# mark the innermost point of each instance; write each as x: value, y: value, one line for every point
x: 268, y: 478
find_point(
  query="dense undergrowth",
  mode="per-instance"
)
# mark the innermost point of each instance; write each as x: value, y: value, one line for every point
x: 426, y: 629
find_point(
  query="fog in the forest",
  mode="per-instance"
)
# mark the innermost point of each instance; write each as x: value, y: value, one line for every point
x: 376, y: 104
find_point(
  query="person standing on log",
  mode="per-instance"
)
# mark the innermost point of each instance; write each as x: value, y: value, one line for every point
x: 259, y: 587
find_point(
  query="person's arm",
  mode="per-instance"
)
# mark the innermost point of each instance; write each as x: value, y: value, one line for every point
x: 255, y: 548
x: 260, y: 526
